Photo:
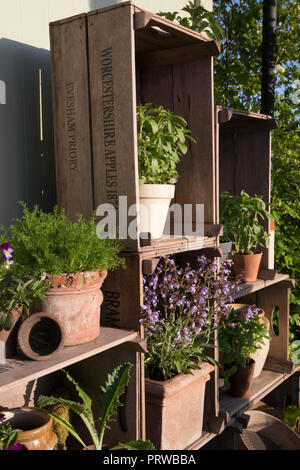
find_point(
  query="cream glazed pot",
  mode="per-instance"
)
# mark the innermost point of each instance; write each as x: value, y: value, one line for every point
x: 154, y: 201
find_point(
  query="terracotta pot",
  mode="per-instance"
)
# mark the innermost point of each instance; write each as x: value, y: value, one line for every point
x: 241, y: 381
x: 174, y: 409
x: 9, y: 338
x: 36, y: 427
x: 75, y: 300
x: 246, y: 266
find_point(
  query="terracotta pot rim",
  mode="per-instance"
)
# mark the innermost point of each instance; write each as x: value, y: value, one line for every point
x: 77, y: 281
x: 36, y: 432
x: 165, y: 388
x: 260, y: 253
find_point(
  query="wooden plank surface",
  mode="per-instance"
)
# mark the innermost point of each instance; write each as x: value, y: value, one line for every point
x: 248, y: 288
x: 71, y: 117
x: 19, y: 370
x: 113, y: 109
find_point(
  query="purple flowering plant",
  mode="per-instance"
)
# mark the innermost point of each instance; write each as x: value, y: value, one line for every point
x: 181, y: 309
x: 241, y: 333
x: 8, y: 435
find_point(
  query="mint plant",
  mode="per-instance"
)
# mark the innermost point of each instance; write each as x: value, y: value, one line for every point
x: 162, y: 137
x: 242, y: 217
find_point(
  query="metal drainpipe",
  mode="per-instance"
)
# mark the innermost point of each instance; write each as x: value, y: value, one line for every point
x: 268, y: 57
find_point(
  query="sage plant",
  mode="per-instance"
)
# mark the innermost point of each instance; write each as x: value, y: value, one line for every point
x: 181, y: 309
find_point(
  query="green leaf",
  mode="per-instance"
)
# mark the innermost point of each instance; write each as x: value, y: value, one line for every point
x: 83, y: 395
x: 68, y: 426
x: 135, y: 445
x: 111, y: 392
x: 7, y: 321
x: 292, y: 413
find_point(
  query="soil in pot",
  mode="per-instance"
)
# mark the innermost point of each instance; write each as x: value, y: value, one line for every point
x: 241, y: 381
x: 246, y: 267
x: 75, y: 299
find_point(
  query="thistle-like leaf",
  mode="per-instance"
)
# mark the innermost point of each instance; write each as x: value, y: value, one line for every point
x: 135, y: 445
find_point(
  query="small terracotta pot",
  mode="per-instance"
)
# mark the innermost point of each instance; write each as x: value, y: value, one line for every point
x: 241, y: 381
x: 75, y: 300
x: 246, y: 266
x: 9, y: 338
x: 36, y: 425
x: 174, y: 409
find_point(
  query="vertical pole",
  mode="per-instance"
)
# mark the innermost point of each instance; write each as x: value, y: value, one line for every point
x: 268, y: 57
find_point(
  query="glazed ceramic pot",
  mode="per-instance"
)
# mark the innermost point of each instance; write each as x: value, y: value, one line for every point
x: 246, y: 267
x: 36, y: 426
x: 154, y: 201
x: 175, y: 407
x: 75, y: 300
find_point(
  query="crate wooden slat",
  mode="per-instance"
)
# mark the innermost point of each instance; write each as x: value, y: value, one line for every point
x: 19, y: 370
x: 248, y: 288
x: 262, y: 385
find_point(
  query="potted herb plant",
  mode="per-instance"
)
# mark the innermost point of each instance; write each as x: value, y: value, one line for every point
x: 76, y: 261
x: 241, y: 334
x: 162, y: 137
x: 109, y: 403
x: 243, y: 218
x: 181, y: 309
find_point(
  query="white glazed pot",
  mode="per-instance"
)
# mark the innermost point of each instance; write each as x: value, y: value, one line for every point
x: 155, y: 201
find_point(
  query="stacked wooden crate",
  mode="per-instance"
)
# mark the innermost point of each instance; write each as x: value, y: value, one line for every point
x: 106, y: 62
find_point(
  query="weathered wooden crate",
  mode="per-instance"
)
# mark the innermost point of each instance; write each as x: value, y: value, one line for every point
x: 243, y: 148
x: 106, y: 62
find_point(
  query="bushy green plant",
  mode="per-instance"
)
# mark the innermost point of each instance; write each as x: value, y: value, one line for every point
x: 109, y: 402
x: 162, y: 139
x: 240, y: 334
x: 242, y: 217
x: 8, y: 435
x: 51, y: 243
x: 199, y: 19
x: 291, y: 416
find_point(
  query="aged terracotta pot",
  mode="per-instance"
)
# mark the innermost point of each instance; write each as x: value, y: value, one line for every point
x: 241, y: 381
x: 36, y: 427
x: 9, y: 338
x: 246, y: 266
x: 75, y: 299
x: 174, y: 409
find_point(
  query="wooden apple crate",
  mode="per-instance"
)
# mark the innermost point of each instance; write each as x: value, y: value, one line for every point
x: 243, y: 147
x: 106, y: 62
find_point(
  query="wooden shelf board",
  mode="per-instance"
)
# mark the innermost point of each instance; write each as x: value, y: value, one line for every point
x: 262, y: 385
x: 21, y: 370
x: 204, y: 439
x: 248, y: 288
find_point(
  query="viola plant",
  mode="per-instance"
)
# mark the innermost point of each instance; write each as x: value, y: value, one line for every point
x: 9, y: 436
x: 181, y: 309
x: 241, y: 333
x: 17, y: 294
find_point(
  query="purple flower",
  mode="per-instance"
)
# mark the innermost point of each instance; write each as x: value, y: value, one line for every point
x: 8, y: 253
x: 5, y: 246
x: 2, y: 418
x: 18, y: 446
